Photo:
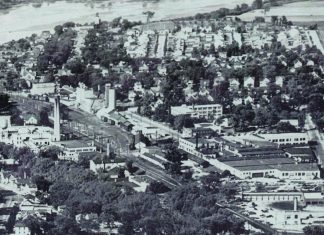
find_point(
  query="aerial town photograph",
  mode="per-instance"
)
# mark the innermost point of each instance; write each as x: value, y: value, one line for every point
x: 161, y: 117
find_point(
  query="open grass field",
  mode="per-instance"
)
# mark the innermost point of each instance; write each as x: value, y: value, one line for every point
x: 306, y: 11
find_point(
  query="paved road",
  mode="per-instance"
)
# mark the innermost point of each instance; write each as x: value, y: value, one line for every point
x: 314, y: 134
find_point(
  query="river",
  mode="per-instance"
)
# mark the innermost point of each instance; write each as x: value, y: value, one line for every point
x: 25, y: 20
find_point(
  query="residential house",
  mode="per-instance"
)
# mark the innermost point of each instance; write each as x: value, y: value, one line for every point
x: 30, y: 119
x: 279, y: 81
x: 249, y: 82
x: 264, y: 82
x: 234, y: 84
x: 298, y: 64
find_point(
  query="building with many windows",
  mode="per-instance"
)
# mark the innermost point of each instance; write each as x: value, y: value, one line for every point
x: 208, y: 111
x: 71, y: 149
x: 287, y: 138
x: 30, y: 136
x: 281, y: 168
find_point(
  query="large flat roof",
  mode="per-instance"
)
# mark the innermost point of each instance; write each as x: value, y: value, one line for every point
x: 282, y: 164
x: 259, y: 162
x: 304, y: 151
x: 75, y: 143
x: 297, y: 167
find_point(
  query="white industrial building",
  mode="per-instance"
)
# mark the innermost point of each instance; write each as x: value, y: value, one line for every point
x: 32, y: 136
x: 281, y: 168
x: 42, y: 88
x: 287, y: 138
x: 208, y: 111
x: 263, y: 164
x: 71, y: 149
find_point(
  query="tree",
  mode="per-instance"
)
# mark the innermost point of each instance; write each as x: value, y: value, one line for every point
x: 226, y: 173
x: 257, y: 4
x: 160, y: 113
x: 115, y: 22
x: 211, y: 182
x: 284, y: 20
x: 285, y: 127
x: 149, y: 15
x: 243, y: 116
x: 157, y: 187
x: 4, y: 101
x: 129, y: 166
x: 174, y: 168
x: 179, y: 122
x: 274, y: 20
x: 43, y: 117
x: 88, y: 207
x: 147, y: 101
x: 259, y: 19
x: 146, y: 79
x: 260, y: 187
x: 58, y: 29
x: 65, y: 225
x: 313, y: 27
x: 173, y: 155
x: 59, y: 192
x: 33, y: 223
x: 313, y: 230
x: 261, y: 115
x: 69, y: 24
x: 23, y: 44
x: 15, y: 116
x: 42, y: 183
x: 121, y: 173
x: 76, y: 66
x: 51, y: 152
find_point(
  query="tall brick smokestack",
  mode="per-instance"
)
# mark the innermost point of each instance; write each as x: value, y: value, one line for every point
x: 57, y: 123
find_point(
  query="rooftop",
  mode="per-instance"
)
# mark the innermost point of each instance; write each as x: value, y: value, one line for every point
x: 75, y: 143
x: 282, y: 164
x: 260, y: 162
x: 313, y: 195
x: 101, y: 160
x: 297, y: 167
x: 302, y: 151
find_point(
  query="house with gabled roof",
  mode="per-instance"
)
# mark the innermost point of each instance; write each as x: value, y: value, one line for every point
x: 264, y: 82
x: 234, y: 84
x: 249, y: 82
x: 30, y: 118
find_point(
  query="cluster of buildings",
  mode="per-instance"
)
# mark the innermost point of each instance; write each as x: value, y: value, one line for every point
x: 282, y: 156
x: 179, y: 40
x: 250, y: 155
x: 31, y: 134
